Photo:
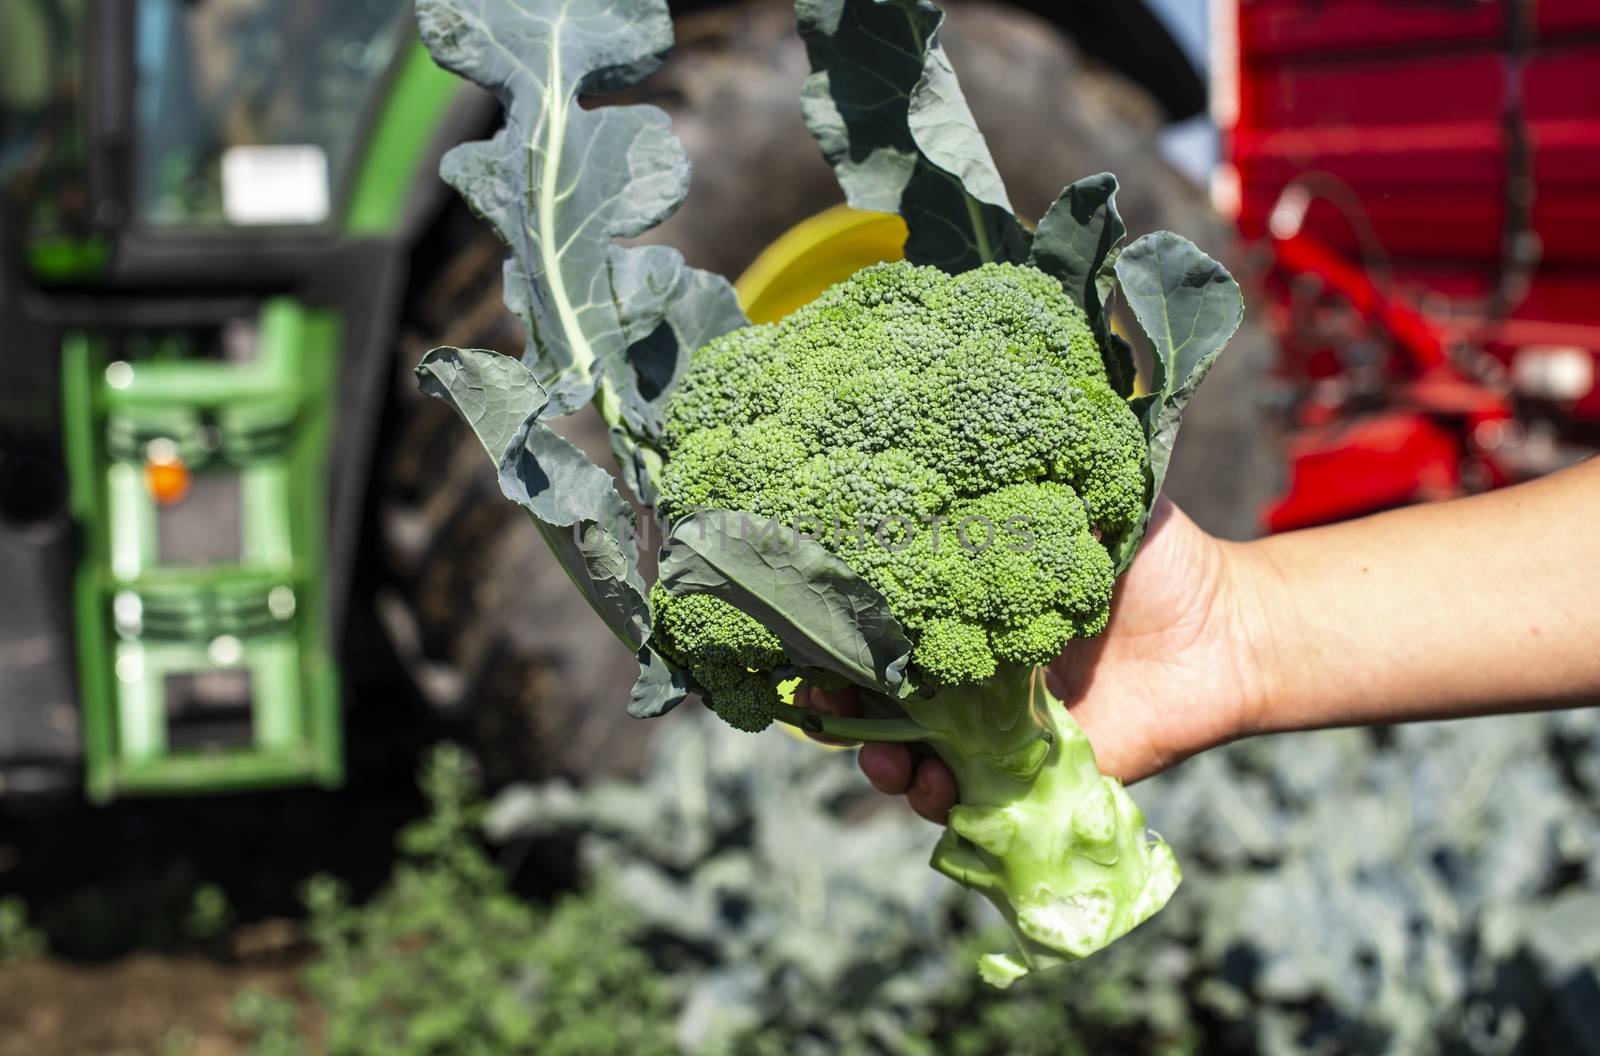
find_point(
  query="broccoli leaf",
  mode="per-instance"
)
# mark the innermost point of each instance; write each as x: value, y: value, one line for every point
x: 560, y: 183
x: 883, y: 102
x: 573, y: 502
x: 825, y: 615
x: 662, y: 685
x: 666, y: 312
x: 1077, y: 243
x: 1189, y: 306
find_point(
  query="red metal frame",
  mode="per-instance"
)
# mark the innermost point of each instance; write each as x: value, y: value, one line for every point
x: 1423, y: 180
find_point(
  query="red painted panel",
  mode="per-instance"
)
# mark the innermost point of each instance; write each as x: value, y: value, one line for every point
x: 1563, y: 295
x: 1567, y: 152
x: 1277, y: 28
x: 1564, y: 16
x: 1366, y: 464
x: 1438, y: 229
x: 1562, y: 83
x: 1426, y: 90
x: 1412, y: 223
x: 1444, y: 155
x: 1568, y: 224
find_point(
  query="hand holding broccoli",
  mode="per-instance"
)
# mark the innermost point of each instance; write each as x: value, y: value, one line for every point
x: 1172, y: 675
x: 1209, y: 641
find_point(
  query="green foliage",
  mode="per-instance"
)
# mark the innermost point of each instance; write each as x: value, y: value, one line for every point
x: 1189, y: 307
x: 561, y: 182
x: 1059, y: 1014
x: 585, y: 522
x: 19, y: 940
x: 884, y: 105
x: 1076, y: 241
x: 144, y: 905
x: 1423, y: 889
x: 447, y: 959
x: 272, y: 1021
x: 799, y: 922
x: 826, y: 618
x: 1426, y: 891
x: 210, y: 913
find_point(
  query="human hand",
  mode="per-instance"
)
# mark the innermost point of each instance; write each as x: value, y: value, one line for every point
x: 1176, y: 671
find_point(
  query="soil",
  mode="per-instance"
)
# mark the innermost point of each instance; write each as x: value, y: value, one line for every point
x: 143, y: 1005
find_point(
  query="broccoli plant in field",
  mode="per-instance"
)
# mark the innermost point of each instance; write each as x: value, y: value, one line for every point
x: 923, y: 483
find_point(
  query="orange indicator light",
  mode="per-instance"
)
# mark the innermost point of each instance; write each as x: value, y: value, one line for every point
x: 165, y: 475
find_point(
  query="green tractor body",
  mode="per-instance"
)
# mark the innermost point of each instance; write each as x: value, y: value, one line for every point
x: 207, y: 210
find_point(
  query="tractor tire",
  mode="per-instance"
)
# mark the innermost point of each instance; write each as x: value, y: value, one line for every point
x: 489, y: 629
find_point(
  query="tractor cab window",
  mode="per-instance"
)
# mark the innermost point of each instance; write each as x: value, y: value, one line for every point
x: 42, y: 173
x: 248, y: 112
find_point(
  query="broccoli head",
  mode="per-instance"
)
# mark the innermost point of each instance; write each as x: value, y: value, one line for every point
x: 953, y: 438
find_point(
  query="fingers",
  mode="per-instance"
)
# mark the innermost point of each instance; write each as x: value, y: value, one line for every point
x: 924, y: 781
x: 841, y: 702
x: 888, y: 766
x: 838, y: 702
x: 891, y: 768
x: 933, y: 791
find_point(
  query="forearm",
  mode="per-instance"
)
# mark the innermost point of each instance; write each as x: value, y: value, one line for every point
x: 1481, y: 605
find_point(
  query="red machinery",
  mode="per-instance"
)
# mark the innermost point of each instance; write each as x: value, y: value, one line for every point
x: 1423, y: 180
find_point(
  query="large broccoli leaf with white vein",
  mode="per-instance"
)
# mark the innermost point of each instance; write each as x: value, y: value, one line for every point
x: 561, y: 183
x: 612, y: 323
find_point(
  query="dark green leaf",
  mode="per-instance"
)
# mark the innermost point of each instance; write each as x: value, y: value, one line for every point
x: 662, y: 685
x: 572, y: 501
x: 1189, y: 306
x: 883, y: 102
x: 666, y: 313
x: 1076, y: 242
x: 561, y: 183
x: 825, y: 615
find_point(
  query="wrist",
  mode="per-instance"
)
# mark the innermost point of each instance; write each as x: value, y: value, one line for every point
x: 1263, y: 620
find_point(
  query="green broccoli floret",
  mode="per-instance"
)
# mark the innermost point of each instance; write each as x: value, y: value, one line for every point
x: 954, y: 439
x: 956, y: 442
x: 724, y: 650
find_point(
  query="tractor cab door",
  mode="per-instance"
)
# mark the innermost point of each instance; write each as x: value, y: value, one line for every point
x: 175, y: 178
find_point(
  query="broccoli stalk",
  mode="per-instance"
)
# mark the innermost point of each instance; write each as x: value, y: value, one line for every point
x: 1059, y: 848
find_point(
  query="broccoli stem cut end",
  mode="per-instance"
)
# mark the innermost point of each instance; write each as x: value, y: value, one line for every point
x: 1059, y: 848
